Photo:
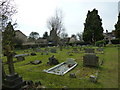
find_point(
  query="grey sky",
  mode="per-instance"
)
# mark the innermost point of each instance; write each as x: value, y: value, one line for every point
x: 33, y: 14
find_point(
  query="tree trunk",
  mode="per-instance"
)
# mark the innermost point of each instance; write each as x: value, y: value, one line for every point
x: 10, y: 64
x: 3, y: 73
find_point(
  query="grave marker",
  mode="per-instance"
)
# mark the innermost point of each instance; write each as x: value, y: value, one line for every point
x: 89, y: 50
x: 90, y: 60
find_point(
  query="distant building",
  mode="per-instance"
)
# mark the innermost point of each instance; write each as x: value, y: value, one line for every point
x: 21, y: 36
x: 109, y: 35
x: 41, y: 41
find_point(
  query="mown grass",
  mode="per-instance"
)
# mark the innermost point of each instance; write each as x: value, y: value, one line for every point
x: 107, y: 77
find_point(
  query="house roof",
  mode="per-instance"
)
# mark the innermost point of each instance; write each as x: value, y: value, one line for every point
x: 20, y: 32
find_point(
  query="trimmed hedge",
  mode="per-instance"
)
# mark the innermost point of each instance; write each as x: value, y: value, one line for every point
x: 102, y: 42
x: 114, y: 41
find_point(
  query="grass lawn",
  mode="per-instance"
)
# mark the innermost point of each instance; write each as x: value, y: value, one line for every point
x: 107, y: 77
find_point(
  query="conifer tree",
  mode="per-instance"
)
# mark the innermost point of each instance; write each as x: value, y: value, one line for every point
x: 117, y: 28
x: 93, y: 30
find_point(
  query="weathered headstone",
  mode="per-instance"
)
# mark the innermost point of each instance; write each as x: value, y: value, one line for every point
x: 36, y: 62
x: 93, y: 78
x: 20, y: 58
x: 89, y: 50
x: 72, y: 75
x: 33, y: 54
x: 53, y: 61
x: 21, y: 55
x: 90, y: 60
x: 100, y: 49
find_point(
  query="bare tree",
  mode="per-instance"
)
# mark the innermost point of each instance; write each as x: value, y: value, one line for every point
x: 64, y: 35
x: 56, y: 22
x: 80, y: 36
x: 7, y: 10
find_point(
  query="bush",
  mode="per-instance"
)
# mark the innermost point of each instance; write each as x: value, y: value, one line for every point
x: 99, y: 43
x: 111, y: 45
x: 115, y: 41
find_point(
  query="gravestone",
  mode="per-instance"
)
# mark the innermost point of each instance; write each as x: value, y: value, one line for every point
x: 36, y: 62
x: 21, y: 55
x: 20, y: 58
x: 90, y: 60
x: 100, y: 49
x: 52, y: 61
x: 94, y: 78
x: 72, y: 75
x: 53, y: 50
x: 33, y: 54
x: 89, y: 50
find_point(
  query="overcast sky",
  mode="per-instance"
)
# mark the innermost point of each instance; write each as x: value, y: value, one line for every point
x: 33, y: 14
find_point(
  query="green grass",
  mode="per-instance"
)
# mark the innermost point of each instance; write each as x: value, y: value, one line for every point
x: 107, y: 78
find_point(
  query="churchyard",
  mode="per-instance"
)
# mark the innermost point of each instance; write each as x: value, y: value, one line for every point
x: 99, y: 73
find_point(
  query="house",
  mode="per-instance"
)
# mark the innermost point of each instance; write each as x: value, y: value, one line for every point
x: 21, y: 36
x: 109, y: 35
x: 41, y: 41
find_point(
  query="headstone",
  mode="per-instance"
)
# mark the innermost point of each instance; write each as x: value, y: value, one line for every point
x: 72, y: 75
x: 20, y: 58
x: 89, y: 50
x: 36, y: 62
x: 90, y: 60
x: 100, y: 49
x: 33, y: 54
x: 93, y: 78
x: 53, y: 61
x: 21, y: 55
